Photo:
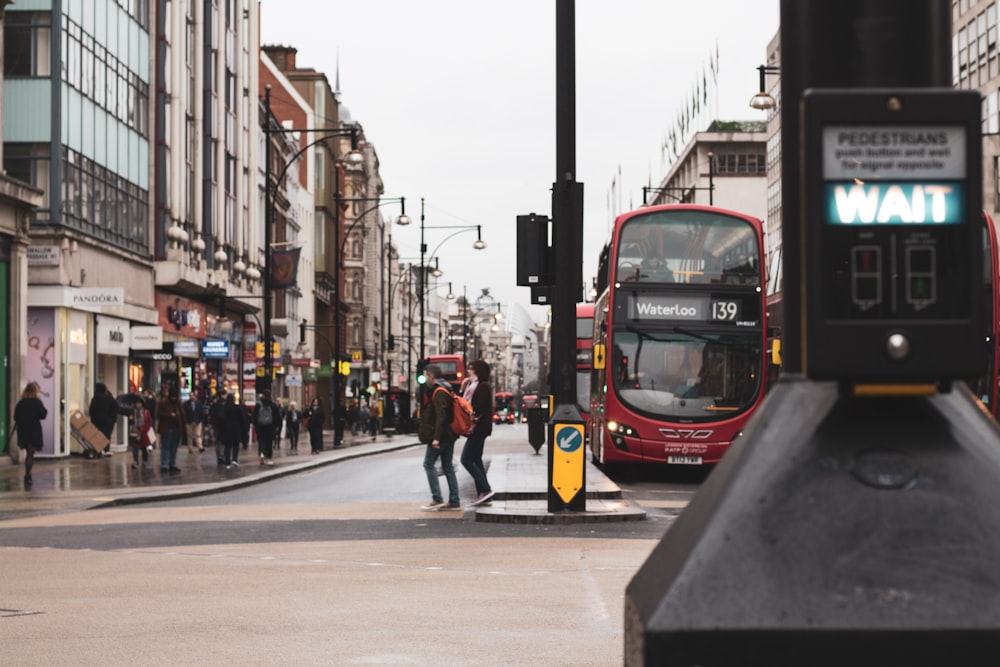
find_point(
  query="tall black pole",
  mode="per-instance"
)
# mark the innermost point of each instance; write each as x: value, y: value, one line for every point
x: 265, y: 383
x: 566, y: 228
x: 338, y: 258
x: 423, y: 277
x: 567, y: 472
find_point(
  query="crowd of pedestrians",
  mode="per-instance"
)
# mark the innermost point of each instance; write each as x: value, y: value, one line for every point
x: 231, y: 426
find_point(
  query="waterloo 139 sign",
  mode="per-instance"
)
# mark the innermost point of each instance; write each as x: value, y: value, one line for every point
x: 892, y: 225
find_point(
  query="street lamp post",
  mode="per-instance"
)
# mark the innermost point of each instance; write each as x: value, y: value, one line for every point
x: 354, y: 157
x: 478, y: 245
x: 467, y: 318
x: 403, y: 220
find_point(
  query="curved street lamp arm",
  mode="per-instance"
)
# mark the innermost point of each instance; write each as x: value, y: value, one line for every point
x: 358, y: 218
x: 329, y: 135
x: 467, y: 228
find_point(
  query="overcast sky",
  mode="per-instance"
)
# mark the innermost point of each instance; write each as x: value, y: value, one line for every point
x: 458, y: 97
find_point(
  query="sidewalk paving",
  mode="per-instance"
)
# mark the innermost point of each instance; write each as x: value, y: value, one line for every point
x: 75, y: 483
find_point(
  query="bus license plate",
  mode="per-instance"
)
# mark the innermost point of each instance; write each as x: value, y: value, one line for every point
x: 685, y: 460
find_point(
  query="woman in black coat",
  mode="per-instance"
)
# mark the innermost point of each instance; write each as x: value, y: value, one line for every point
x: 315, y: 416
x: 235, y: 424
x: 28, y: 415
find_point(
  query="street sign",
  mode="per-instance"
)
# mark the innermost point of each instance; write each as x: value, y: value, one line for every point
x: 567, y: 460
x: 893, y: 235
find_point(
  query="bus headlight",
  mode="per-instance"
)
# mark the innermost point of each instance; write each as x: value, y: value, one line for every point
x: 618, y: 431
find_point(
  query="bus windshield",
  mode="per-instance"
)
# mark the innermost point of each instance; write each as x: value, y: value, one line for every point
x: 683, y: 375
x: 688, y: 246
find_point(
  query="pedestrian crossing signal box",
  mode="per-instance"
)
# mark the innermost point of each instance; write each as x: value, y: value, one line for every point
x: 893, y: 239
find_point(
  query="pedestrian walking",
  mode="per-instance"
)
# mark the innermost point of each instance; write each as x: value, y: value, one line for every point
x: 479, y: 392
x: 376, y: 418
x: 266, y: 418
x: 314, y: 424
x: 170, y: 428
x: 28, y: 415
x: 139, y: 423
x: 103, y: 411
x: 245, y: 436
x: 366, y: 418
x: 435, y: 432
x: 339, y: 419
x: 232, y: 427
x: 293, y: 421
x: 194, y: 422
x: 149, y: 399
x: 215, y: 413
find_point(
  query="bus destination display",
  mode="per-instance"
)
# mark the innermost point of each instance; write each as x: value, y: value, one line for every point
x: 713, y: 309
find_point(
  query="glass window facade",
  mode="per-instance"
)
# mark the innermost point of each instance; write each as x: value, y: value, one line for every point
x: 95, y: 170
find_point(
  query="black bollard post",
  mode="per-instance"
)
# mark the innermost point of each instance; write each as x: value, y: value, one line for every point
x: 845, y: 528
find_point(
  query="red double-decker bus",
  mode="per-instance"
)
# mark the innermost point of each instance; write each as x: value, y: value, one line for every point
x: 986, y: 386
x: 452, y: 368
x: 680, y: 335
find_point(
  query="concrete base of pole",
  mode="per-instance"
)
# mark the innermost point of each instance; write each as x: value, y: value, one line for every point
x: 838, y: 531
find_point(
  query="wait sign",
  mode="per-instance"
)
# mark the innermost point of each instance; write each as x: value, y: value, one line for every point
x: 892, y: 192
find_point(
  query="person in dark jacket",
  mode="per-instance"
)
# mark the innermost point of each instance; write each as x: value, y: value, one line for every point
x: 479, y: 393
x: 266, y: 419
x: 293, y: 421
x: 233, y: 426
x: 435, y: 432
x: 194, y: 422
x: 170, y: 428
x: 28, y: 415
x: 315, y: 417
x: 103, y: 411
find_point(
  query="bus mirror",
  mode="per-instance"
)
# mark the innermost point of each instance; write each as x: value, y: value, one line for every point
x: 776, y: 352
x: 599, y: 357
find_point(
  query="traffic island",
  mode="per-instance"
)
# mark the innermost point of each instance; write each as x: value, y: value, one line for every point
x: 521, y: 481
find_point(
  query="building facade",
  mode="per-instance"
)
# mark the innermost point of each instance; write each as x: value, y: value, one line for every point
x: 78, y: 126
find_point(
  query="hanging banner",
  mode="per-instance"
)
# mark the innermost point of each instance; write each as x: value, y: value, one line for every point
x: 284, y: 268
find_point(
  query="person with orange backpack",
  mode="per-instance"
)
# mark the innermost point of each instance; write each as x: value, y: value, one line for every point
x: 436, y: 433
x: 479, y: 393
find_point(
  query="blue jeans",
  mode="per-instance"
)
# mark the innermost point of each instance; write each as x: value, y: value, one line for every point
x: 169, y: 442
x: 445, y: 451
x: 472, y: 460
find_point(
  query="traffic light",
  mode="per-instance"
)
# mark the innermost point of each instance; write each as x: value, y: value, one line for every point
x: 420, y: 371
x: 302, y: 331
x: 392, y: 342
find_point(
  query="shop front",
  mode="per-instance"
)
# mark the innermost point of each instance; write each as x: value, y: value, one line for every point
x: 111, y: 367
x: 62, y: 355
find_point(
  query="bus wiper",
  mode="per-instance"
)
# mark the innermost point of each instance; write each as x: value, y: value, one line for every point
x: 688, y: 332
x: 642, y: 334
